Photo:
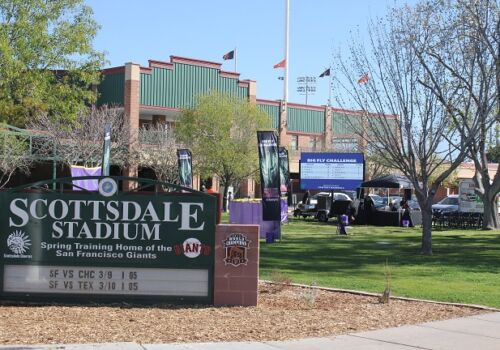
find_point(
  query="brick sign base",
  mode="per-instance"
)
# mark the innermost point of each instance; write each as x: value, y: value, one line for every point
x: 236, y: 272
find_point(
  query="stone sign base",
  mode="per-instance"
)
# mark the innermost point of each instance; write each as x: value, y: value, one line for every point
x: 236, y: 271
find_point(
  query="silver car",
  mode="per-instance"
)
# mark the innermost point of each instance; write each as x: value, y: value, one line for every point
x: 446, y: 205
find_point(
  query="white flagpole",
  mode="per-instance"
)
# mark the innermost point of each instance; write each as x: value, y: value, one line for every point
x: 287, y: 61
x: 330, y: 88
x: 235, y: 59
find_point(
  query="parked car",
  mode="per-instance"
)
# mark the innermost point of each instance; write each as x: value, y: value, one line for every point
x: 412, y: 203
x: 391, y: 203
x: 379, y: 202
x: 446, y: 205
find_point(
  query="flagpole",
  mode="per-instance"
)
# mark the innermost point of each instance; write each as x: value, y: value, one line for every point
x: 235, y: 59
x: 287, y: 61
x: 330, y: 87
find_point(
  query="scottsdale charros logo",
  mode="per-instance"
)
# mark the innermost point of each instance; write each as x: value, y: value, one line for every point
x: 236, y: 245
x: 19, y: 243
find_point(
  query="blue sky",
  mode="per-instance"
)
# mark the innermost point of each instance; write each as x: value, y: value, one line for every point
x: 138, y: 30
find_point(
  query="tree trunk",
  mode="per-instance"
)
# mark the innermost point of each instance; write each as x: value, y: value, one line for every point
x: 426, y: 248
x: 488, y: 197
x: 490, y: 217
x: 224, y: 200
x: 225, y: 183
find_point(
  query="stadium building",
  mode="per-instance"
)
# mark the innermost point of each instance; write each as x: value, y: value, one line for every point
x: 157, y: 94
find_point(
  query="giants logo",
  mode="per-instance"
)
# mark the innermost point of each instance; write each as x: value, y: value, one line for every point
x: 192, y: 248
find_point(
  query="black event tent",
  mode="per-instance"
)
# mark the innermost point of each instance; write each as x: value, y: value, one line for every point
x: 389, y: 181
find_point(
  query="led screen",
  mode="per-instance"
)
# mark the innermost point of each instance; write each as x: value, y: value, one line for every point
x: 331, y: 171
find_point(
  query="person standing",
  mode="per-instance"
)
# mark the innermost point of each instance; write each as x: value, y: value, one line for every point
x: 305, y: 197
x: 405, y: 216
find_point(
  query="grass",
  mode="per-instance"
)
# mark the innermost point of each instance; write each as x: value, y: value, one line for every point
x: 465, y: 267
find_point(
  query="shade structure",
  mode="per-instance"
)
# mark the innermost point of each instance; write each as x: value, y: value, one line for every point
x: 389, y: 181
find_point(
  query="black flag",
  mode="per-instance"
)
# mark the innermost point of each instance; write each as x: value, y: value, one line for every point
x: 228, y: 56
x: 326, y: 73
x: 269, y: 175
x: 184, y: 161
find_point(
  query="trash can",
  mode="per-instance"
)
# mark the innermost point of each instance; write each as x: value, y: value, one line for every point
x: 269, y: 237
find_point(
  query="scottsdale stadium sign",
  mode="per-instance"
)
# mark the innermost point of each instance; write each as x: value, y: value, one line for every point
x: 155, y: 247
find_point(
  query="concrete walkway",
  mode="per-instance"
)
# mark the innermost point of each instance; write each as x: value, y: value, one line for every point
x: 475, y: 332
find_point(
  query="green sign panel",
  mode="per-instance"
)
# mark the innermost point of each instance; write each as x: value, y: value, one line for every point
x: 107, y: 244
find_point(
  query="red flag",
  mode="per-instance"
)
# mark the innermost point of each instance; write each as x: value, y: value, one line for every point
x: 363, y: 79
x: 280, y: 65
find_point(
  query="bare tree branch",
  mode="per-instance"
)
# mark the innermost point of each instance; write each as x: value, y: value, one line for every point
x: 81, y: 142
x: 465, y: 54
x: 407, y: 126
x: 159, y: 152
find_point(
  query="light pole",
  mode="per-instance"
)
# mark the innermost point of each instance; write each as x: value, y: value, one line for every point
x: 306, y: 86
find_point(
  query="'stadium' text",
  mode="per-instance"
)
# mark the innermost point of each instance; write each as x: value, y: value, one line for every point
x: 96, y: 219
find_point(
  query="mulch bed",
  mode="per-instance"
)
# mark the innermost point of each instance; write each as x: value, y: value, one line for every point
x: 284, y: 312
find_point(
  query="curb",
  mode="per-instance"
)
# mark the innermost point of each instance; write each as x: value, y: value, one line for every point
x: 370, y: 294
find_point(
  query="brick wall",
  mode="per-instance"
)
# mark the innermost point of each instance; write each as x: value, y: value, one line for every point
x: 248, y: 189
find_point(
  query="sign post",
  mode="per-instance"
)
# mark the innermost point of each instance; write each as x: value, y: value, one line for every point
x: 106, y: 152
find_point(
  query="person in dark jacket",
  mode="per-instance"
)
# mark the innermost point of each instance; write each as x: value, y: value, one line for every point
x: 305, y: 197
x: 405, y: 216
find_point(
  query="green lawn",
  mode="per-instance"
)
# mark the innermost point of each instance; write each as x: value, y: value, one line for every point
x: 465, y: 266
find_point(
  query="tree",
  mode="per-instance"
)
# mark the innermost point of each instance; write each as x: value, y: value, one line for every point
x: 460, y: 48
x: 406, y: 127
x: 493, y: 154
x: 47, y: 63
x: 159, y: 152
x: 221, y: 131
x: 375, y: 165
x: 80, y: 142
x: 14, y: 154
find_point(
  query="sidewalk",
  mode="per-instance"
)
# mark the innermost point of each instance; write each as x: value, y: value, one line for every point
x: 474, y: 332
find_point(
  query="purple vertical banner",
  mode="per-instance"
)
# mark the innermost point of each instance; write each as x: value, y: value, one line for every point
x: 284, y: 171
x: 184, y: 160
x: 269, y: 175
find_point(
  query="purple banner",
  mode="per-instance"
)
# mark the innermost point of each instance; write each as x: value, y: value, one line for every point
x: 251, y: 213
x: 89, y: 185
